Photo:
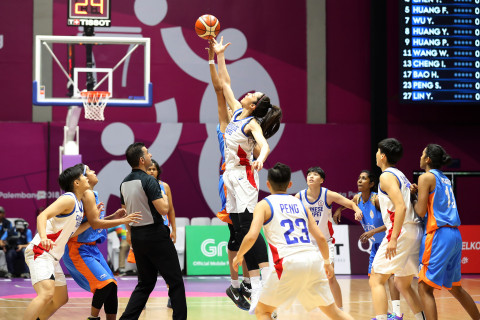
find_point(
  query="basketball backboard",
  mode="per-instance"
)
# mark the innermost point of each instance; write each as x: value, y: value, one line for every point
x: 119, y: 65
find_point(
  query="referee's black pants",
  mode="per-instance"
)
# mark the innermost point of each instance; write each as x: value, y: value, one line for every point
x: 154, y: 251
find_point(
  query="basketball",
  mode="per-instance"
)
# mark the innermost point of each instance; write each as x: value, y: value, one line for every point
x: 207, y: 26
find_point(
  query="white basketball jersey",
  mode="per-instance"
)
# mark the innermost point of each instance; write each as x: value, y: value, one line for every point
x: 287, y: 229
x: 321, y: 211
x: 386, y: 204
x: 59, y: 229
x: 238, y: 146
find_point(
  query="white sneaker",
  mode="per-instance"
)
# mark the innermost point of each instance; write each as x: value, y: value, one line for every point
x: 274, y: 315
x: 254, y: 300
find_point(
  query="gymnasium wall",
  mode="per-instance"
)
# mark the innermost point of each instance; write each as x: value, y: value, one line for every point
x: 180, y: 130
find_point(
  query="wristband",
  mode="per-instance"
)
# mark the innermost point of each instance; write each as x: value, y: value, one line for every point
x: 211, y: 61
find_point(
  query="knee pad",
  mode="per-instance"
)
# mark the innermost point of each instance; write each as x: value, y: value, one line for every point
x: 100, y: 296
x: 111, y: 302
x: 233, y: 244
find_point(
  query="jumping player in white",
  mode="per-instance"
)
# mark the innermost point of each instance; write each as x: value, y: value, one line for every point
x: 254, y: 120
x: 319, y: 200
x: 287, y: 225
x: 399, y: 250
x: 56, y: 224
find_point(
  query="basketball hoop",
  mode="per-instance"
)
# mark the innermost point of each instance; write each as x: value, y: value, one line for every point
x: 94, y: 103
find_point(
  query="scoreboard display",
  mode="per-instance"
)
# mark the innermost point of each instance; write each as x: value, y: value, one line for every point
x: 440, y: 51
x: 89, y: 13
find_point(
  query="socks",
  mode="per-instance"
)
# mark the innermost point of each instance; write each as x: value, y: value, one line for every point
x: 381, y: 317
x: 235, y: 283
x: 420, y: 316
x: 247, y: 280
x: 396, y: 307
x: 255, y: 282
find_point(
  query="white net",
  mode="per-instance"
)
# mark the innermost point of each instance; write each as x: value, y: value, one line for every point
x: 94, y: 103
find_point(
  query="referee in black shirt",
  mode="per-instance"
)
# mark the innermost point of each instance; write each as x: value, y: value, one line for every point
x: 150, y: 238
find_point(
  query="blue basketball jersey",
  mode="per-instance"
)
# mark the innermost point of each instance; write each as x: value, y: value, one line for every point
x: 372, y: 218
x: 221, y: 144
x: 162, y: 187
x: 442, y: 207
x: 91, y: 235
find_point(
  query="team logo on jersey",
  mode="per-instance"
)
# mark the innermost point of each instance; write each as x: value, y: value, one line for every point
x: 316, y: 211
x: 371, y: 214
x: 79, y: 220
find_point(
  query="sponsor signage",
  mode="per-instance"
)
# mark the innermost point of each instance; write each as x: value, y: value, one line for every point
x: 342, y: 249
x: 206, y: 250
x: 470, y: 249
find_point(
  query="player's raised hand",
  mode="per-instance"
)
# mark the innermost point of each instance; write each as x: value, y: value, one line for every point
x: 219, y: 47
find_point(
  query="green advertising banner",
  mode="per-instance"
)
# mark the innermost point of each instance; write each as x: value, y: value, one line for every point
x: 206, y: 250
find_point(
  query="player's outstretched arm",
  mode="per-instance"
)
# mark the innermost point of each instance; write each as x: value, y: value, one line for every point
x: 224, y: 76
x: 223, y: 116
x: 337, y: 216
x: 93, y: 215
x: 333, y: 196
x: 426, y: 184
x: 261, y: 213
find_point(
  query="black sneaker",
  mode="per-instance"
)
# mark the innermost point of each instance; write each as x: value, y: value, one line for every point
x: 246, y: 289
x: 93, y: 318
x: 238, y: 298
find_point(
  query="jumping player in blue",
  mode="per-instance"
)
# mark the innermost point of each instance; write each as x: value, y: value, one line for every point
x: 83, y: 259
x: 441, y: 247
x: 372, y: 222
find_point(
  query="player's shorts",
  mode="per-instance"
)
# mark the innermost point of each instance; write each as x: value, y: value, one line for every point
x: 242, y: 189
x: 441, y: 259
x: 405, y: 262
x: 223, y: 214
x: 331, y: 249
x: 300, y: 279
x: 373, y: 252
x: 44, y: 267
x: 87, y: 266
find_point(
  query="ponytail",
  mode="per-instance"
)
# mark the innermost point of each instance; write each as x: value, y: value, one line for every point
x: 437, y: 155
x: 268, y: 116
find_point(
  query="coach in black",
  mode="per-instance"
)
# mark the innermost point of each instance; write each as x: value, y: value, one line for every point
x: 150, y: 238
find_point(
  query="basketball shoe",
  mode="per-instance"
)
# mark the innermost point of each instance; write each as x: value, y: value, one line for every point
x: 237, y: 298
x: 246, y: 289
